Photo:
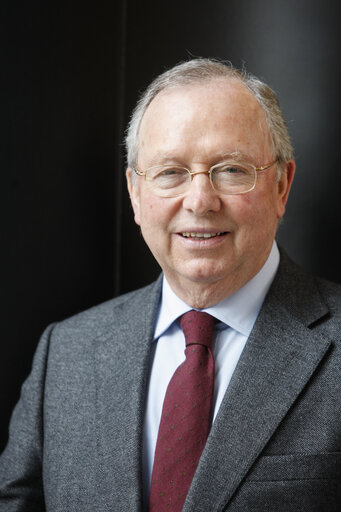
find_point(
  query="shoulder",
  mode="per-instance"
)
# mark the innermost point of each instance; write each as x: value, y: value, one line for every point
x: 98, y: 313
x: 331, y: 292
x: 106, y: 319
x: 308, y: 297
x: 329, y: 289
x: 299, y: 280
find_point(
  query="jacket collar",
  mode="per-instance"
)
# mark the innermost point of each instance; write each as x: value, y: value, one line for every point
x: 280, y: 357
x: 122, y: 359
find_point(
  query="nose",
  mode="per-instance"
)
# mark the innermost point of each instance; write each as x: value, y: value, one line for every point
x: 201, y: 198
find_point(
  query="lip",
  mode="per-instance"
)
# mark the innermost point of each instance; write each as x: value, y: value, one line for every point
x: 202, y: 243
x: 193, y: 229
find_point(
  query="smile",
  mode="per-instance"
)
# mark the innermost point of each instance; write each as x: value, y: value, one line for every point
x: 201, y: 235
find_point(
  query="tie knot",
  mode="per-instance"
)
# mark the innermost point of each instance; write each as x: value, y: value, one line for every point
x: 197, y: 327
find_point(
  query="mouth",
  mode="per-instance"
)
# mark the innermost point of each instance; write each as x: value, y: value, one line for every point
x: 201, y: 236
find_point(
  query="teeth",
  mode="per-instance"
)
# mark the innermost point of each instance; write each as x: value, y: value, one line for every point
x: 200, y: 235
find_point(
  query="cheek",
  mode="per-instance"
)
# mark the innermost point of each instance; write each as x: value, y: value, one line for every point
x: 243, y: 210
x: 158, y: 211
x: 153, y: 214
x: 254, y: 214
x: 145, y: 206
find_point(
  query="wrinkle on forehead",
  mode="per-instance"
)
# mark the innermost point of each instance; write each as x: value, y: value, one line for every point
x: 244, y: 115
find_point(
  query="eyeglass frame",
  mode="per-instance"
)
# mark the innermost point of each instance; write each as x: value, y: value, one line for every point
x: 209, y: 172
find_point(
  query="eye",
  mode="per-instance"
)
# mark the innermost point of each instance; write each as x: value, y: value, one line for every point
x: 171, y: 172
x: 233, y: 176
x: 164, y: 173
x: 232, y: 170
x: 167, y: 177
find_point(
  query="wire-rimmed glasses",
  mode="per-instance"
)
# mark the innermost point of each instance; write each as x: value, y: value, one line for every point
x: 228, y: 177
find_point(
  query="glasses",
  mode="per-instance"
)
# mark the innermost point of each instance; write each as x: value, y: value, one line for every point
x: 226, y: 178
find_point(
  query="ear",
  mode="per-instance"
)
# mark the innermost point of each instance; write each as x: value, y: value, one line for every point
x: 134, y: 194
x: 284, y: 186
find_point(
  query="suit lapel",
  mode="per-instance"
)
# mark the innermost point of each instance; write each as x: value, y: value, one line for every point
x: 122, y: 363
x: 280, y: 357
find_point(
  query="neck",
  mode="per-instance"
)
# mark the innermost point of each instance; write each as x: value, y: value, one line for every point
x: 204, y: 293
x: 201, y: 295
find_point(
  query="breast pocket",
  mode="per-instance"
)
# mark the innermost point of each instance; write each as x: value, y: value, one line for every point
x: 291, y: 483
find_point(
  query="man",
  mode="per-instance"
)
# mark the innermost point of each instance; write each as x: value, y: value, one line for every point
x: 210, y: 168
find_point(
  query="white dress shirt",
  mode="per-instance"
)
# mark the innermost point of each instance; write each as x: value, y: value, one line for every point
x: 236, y: 314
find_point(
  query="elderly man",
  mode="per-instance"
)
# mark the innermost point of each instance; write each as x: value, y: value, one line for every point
x: 217, y: 387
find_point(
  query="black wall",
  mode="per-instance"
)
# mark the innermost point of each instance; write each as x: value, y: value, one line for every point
x: 71, y: 74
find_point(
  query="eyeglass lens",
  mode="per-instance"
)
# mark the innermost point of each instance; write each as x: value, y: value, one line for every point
x: 227, y: 178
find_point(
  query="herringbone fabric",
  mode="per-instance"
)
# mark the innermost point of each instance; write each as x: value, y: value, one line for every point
x: 186, y: 417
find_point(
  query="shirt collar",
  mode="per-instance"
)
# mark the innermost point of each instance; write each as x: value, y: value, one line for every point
x: 238, y: 311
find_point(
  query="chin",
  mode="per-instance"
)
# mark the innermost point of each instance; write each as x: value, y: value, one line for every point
x: 203, y: 273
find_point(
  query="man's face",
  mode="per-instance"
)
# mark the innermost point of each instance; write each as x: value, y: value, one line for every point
x: 197, y: 127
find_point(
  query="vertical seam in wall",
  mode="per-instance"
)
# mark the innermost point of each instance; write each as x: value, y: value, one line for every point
x: 121, y: 153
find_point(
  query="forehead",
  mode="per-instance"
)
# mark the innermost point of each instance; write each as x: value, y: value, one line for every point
x: 215, y: 113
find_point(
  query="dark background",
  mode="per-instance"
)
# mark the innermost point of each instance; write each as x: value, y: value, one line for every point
x: 71, y: 74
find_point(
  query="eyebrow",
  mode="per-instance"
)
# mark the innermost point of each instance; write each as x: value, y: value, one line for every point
x: 161, y: 158
x: 236, y: 155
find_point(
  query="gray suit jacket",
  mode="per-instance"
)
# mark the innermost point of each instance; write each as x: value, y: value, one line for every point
x: 76, y: 433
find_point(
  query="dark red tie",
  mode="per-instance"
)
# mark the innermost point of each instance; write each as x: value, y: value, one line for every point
x: 186, y: 417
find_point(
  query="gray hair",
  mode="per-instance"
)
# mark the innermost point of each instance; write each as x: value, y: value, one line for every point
x: 204, y: 70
